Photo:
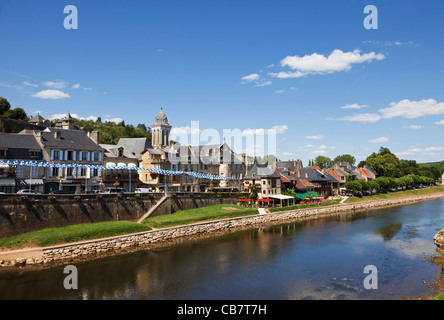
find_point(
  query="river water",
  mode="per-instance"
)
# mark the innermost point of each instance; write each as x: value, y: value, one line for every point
x: 316, y: 259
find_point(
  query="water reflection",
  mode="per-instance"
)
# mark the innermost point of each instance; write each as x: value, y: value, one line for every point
x: 315, y: 259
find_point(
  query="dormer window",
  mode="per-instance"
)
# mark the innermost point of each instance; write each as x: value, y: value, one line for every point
x: 57, y: 134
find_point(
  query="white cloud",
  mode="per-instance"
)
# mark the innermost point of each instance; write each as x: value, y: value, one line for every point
x: 255, y: 78
x: 310, y: 146
x: 73, y: 115
x: 389, y: 43
x: 335, y: 62
x: 413, y: 109
x: 378, y: 140
x: 78, y: 86
x: 363, y: 118
x: 280, y: 129
x: 279, y: 91
x: 319, y: 152
x: 441, y: 123
x: 182, y: 131
x: 318, y: 137
x: 354, y: 106
x: 287, y: 75
x: 287, y: 154
x: 51, y: 94
x: 412, y: 126
x: 59, y: 84
x: 27, y: 83
x: 414, y: 150
x: 251, y: 77
x: 262, y: 83
x: 6, y: 85
x: 260, y: 131
x: 270, y: 65
x: 115, y: 120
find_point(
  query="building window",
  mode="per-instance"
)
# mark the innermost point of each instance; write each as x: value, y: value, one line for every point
x: 2, y: 153
x: 19, y: 171
x: 34, y: 172
x: 56, y: 155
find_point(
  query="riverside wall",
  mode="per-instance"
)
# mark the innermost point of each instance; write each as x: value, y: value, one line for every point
x: 20, y: 214
x: 161, y: 237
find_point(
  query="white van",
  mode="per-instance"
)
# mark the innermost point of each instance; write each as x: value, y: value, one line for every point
x: 143, y: 190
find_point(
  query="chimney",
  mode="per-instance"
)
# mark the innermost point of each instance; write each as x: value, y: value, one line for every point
x: 299, y: 173
x: 95, y: 136
x: 38, y: 136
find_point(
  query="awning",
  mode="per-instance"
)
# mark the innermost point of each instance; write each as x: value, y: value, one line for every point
x: 281, y: 197
x: 244, y: 200
x: 7, y: 182
x: 28, y: 182
x: 110, y: 164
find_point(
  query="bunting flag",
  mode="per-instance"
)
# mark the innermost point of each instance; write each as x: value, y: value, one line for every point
x: 198, y: 175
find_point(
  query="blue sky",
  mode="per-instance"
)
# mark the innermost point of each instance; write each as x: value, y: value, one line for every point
x: 308, y: 68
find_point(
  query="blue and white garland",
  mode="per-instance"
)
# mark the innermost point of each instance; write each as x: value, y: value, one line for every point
x: 74, y: 165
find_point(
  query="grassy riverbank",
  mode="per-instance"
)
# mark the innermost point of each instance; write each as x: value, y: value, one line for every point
x: 74, y: 233
x: 304, y: 206
x: 397, y: 194
x: 220, y: 211
x: 69, y: 234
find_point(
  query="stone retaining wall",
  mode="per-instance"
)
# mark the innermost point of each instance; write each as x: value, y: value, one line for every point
x: 161, y: 236
x: 20, y: 214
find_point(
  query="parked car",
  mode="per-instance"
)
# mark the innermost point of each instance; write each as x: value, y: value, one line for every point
x: 92, y: 192
x: 28, y: 191
x: 143, y: 190
x: 61, y: 192
x: 114, y: 190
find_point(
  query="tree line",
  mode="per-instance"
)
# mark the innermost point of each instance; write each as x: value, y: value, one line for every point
x: 386, y: 164
x: 7, y: 112
x: 384, y: 184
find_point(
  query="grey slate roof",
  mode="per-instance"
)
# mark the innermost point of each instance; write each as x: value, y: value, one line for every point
x: 18, y: 141
x: 69, y: 139
x: 261, y: 171
x: 313, y: 175
x: 135, y: 146
x: 19, y: 145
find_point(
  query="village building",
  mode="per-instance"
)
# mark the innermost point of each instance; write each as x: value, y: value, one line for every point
x: 217, y: 160
x: 266, y: 181
x: 120, y: 155
x: 68, y: 146
x: 20, y: 147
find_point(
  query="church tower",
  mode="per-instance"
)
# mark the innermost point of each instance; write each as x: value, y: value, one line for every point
x: 161, y: 131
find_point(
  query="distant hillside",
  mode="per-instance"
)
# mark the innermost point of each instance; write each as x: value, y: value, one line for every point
x: 110, y: 132
x: 432, y: 169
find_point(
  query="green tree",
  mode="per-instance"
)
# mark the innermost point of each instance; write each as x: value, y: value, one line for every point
x: 16, y: 113
x: 4, y: 105
x: 353, y: 186
x: 323, y: 162
x: 384, y: 163
x: 345, y: 158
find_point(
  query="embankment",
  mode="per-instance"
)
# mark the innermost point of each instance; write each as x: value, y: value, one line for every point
x: 20, y: 214
x: 73, y: 252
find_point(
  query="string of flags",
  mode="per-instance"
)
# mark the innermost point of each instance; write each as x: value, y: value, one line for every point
x: 75, y: 165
